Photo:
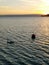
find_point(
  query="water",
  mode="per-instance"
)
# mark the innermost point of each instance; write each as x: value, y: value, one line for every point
x: 24, y: 50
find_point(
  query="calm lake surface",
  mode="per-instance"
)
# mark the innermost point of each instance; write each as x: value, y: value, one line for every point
x: 16, y: 45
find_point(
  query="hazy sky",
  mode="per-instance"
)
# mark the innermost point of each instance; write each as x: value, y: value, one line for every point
x: 24, y: 6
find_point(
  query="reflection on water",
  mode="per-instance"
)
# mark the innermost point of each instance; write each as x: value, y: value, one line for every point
x: 16, y: 45
x: 45, y: 26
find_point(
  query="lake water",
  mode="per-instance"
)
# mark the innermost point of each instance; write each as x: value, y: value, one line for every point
x: 16, y: 45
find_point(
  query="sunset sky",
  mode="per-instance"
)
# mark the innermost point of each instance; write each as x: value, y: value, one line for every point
x: 24, y: 7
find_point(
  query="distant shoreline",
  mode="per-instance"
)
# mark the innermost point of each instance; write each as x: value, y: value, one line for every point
x: 28, y: 15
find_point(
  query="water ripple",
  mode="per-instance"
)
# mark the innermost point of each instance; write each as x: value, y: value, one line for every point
x: 23, y: 50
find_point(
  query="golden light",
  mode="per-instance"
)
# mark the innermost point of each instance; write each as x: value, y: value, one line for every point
x: 45, y: 12
x: 45, y: 7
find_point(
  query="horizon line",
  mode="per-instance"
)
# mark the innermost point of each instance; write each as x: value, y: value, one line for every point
x: 14, y: 15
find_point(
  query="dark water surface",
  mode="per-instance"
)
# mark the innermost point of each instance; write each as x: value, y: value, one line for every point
x: 16, y: 45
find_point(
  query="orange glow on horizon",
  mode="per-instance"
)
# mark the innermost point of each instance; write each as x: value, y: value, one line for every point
x: 10, y: 11
x: 13, y: 11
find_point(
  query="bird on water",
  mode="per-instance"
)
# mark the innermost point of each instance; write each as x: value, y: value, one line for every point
x: 33, y: 36
x: 10, y: 41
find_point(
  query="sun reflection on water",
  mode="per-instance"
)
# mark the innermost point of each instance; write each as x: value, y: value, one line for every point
x: 45, y: 26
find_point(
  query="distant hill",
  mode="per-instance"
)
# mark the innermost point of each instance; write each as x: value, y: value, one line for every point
x: 47, y: 15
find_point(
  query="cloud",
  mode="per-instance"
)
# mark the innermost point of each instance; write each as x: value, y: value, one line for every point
x: 18, y: 4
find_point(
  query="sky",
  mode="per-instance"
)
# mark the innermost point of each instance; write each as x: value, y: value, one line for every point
x: 24, y: 7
